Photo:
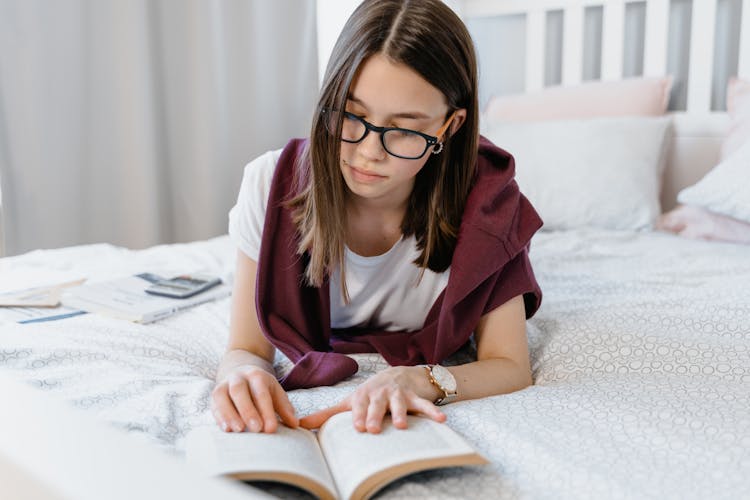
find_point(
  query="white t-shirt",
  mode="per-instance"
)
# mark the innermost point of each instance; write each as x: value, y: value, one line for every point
x: 383, y: 289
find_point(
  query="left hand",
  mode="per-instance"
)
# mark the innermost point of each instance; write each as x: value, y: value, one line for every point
x: 399, y: 389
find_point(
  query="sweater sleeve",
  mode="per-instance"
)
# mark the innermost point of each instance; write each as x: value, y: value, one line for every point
x: 516, y: 278
x: 248, y: 214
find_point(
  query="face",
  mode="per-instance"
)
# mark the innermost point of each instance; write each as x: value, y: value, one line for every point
x: 390, y: 95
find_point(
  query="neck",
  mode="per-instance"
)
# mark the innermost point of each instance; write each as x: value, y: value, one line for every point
x: 373, y: 226
x: 387, y: 211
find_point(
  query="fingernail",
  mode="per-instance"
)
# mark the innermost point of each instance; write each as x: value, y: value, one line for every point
x: 254, y: 425
x: 237, y: 426
x: 224, y: 426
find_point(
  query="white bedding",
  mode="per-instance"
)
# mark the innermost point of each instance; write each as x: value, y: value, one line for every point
x: 640, y: 351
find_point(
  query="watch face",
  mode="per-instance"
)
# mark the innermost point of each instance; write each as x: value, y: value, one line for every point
x: 445, y: 378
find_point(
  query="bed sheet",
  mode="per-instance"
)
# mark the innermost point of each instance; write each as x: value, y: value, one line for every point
x: 640, y: 354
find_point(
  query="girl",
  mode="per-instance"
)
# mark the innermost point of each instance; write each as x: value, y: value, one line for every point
x: 395, y: 228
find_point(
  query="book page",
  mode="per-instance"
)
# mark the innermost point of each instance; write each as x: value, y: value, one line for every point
x: 36, y: 314
x: 127, y: 298
x: 45, y: 296
x: 281, y: 456
x: 353, y: 457
x: 35, y: 304
x: 126, y: 294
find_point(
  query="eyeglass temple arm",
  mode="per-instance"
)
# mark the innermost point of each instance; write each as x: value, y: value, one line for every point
x: 445, y: 126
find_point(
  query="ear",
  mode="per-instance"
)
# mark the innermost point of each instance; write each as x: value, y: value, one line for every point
x: 458, y: 121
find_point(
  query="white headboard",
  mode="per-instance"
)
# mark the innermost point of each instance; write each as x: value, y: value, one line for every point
x: 702, y: 36
x: 698, y: 130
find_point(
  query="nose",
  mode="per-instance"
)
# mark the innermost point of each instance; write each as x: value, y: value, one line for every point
x: 371, y: 147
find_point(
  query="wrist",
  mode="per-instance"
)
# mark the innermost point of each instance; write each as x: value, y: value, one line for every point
x: 422, y: 384
x: 241, y: 359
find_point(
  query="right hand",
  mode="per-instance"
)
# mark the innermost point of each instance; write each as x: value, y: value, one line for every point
x: 250, y: 397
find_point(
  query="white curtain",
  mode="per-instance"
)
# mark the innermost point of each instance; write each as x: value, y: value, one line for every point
x: 129, y: 121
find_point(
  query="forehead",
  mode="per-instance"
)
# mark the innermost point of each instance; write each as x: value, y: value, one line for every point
x: 388, y: 88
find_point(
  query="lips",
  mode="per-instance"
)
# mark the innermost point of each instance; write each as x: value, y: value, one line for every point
x: 365, y: 176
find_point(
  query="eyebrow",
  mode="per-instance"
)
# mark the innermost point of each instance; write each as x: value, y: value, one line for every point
x: 414, y: 115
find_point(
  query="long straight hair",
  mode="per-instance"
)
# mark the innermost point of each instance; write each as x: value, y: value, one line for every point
x: 428, y: 37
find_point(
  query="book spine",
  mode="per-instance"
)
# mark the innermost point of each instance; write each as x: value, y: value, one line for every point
x: 194, y: 301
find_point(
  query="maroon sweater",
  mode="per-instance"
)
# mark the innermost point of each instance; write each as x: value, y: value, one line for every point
x: 490, y: 265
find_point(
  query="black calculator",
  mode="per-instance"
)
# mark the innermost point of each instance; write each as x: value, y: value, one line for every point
x: 183, y: 286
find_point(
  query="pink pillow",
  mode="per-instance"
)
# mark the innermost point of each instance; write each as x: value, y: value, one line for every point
x: 699, y: 223
x: 629, y: 97
x: 738, y: 106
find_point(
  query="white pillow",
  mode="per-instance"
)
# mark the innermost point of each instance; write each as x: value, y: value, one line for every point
x: 603, y: 172
x: 725, y: 189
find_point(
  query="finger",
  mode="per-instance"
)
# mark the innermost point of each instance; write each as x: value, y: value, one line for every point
x: 315, y: 420
x: 224, y: 411
x: 284, y: 407
x: 376, y: 412
x: 427, y: 408
x: 398, y: 410
x: 239, y: 392
x: 264, y: 404
x: 359, y: 411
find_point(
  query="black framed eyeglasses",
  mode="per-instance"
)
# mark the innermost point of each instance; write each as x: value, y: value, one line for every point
x: 399, y: 142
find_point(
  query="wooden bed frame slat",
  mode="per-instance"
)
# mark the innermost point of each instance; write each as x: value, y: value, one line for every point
x: 702, y: 29
x: 613, y: 32
x: 535, y: 26
x: 572, y: 60
x: 743, y: 67
x: 657, y: 33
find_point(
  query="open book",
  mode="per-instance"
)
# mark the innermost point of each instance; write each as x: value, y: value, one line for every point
x: 126, y: 298
x: 337, y: 461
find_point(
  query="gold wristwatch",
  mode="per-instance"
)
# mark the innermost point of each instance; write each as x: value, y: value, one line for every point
x: 445, y: 382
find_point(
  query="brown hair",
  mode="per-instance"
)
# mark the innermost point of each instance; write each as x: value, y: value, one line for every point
x: 427, y: 36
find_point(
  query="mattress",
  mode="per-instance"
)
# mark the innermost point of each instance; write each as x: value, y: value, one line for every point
x: 640, y: 355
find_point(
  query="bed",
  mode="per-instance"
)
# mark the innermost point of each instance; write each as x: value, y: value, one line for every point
x: 640, y: 351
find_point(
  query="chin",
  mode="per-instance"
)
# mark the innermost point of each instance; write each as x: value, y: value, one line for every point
x: 363, y: 191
